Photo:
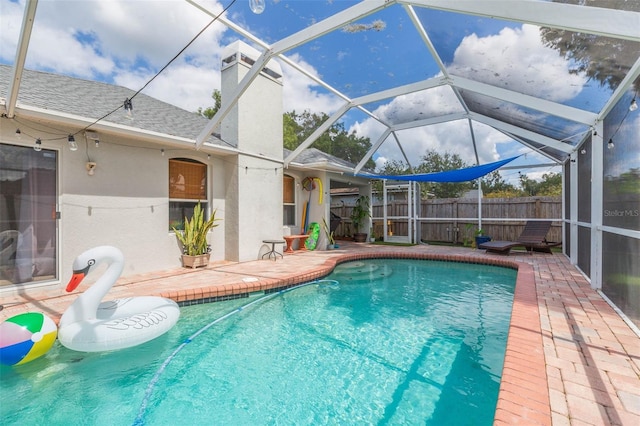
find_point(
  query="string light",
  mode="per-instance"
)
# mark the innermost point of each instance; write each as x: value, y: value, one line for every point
x: 73, y: 146
x: 162, y: 152
x: 634, y: 105
x: 128, y: 108
x: 38, y: 146
x: 18, y: 134
x: 97, y: 143
x: 610, y: 144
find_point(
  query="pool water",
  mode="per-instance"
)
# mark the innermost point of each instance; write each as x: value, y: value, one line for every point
x: 388, y: 342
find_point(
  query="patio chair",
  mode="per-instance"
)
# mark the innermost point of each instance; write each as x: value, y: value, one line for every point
x: 533, y: 237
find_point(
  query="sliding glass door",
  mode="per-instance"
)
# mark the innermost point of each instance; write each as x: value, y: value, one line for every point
x: 28, y: 218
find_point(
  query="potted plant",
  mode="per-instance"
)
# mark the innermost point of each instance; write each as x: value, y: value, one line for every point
x: 195, y: 248
x: 481, y: 238
x: 359, y: 215
x: 331, y: 242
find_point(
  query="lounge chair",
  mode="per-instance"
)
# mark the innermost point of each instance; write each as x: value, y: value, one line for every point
x: 533, y: 237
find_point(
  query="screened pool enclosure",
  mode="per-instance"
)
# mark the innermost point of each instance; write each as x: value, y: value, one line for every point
x: 555, y: 83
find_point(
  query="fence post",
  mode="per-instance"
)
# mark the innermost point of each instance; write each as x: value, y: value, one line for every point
x: 454, y: 210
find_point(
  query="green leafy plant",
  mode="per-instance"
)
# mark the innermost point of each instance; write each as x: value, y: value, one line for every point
x: 360, y: 212
x: 467, y: 237
x: 194, y: 235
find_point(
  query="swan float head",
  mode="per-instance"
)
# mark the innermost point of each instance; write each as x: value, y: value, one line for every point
x: 83, y: 264
x: 90, y: 326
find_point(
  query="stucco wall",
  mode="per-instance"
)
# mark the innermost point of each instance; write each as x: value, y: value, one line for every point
x: 125, y: 202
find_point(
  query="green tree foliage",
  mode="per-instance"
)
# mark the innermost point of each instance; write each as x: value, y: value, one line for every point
x: 494, y: 186
x: 209, y: 112
x: 298, y: 127
x: 603, y: 59
x: 432, y: 162
x: 550, y: 185
x: 290, y: 132
x: 335, y: 141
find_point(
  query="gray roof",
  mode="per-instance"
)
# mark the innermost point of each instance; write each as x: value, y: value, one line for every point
x: 94, y: 100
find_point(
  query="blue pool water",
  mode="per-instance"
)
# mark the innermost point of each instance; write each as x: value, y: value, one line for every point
x: 394, y: 342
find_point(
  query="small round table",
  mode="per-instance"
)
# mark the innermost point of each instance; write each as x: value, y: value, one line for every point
x: 273, y: 251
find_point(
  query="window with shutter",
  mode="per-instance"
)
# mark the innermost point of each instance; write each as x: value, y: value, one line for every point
x: 187, y: 186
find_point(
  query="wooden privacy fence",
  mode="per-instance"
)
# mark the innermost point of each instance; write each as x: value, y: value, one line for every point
x: 455, y: 219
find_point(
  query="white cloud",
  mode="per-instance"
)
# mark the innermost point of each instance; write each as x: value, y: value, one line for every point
x: 10, y: 25
x: 300, y: 93
x: 125, y: 43
x: 183, y: 85
x: 516, y: 59
x: 513, y: 56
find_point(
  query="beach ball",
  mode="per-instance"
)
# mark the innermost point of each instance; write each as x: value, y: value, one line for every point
x: 25, y: 337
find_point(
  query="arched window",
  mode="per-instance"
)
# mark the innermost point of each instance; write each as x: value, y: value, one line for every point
x: 289, y: 200
x: 187, y: 186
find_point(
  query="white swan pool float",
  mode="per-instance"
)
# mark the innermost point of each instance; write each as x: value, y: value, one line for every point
x: 91, y: 326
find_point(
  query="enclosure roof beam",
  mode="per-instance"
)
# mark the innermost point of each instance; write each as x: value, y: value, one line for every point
x: 372, y: 150
x: 21, y: 55
x: 317, y: 133
x: 584, y: 19
x: 338, y: 20
x: 519, y: 131
x: 553, y: 108
x: 400, y: 90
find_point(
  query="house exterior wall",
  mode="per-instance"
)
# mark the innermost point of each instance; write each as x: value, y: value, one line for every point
x: 124, y: 203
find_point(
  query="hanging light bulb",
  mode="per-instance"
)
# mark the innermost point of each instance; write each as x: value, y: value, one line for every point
x: 97, y: 143
x: 18, y: 134
x: 610, y: 144
x: 257, y: 6
x: 73, y: 146
x: 128, y: 108
x: 38, y: 146
x: 583, y: 151
x: 162, y: 152
x: 634, y: 105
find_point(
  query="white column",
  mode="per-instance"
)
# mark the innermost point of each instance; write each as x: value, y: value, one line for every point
x: 573, y: 202
x: 597, y: 170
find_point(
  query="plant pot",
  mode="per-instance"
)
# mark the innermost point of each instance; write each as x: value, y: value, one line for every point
x: 195, y: 261
x: 360, y: 237
x: 481, y: 239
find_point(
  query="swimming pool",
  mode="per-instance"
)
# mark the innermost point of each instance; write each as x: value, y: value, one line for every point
x: 395, y: 342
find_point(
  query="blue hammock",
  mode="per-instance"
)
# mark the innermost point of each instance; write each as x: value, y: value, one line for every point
x: 461, y: 175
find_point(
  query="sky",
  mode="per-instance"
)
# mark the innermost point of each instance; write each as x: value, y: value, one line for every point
x: 127, y: 42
